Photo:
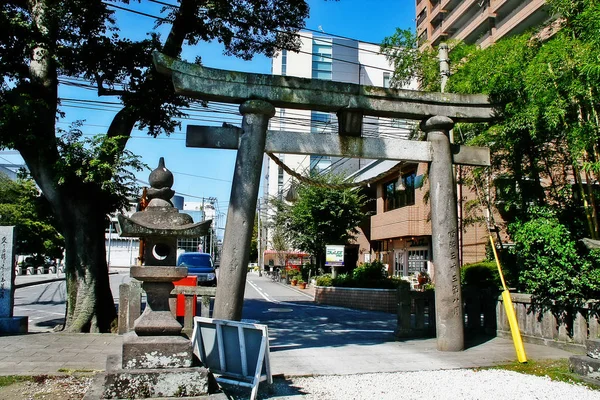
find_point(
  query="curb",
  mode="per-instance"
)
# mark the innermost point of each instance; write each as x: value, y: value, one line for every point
x: 49, y: 280
x: 297, y: 290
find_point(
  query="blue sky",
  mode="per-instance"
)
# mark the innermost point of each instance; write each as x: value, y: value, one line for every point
x: 207, y: 172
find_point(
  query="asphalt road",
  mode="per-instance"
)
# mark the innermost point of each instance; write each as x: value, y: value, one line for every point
x: 291, y: 315
x: 295, y: 321
x: 45, y: 303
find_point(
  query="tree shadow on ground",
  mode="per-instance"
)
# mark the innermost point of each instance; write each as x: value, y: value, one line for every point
x: 280, y: 387
x: 50, y: 323
x: 303, y: 324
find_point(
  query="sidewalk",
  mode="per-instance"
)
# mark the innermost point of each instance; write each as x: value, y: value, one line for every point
x: 55, y: 353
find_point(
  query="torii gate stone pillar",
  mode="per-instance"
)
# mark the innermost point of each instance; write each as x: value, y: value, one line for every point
x: 242, y: 207
x: 449, y: 318
x: 437, y: 112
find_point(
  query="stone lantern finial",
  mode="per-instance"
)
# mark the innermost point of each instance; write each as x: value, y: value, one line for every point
x: 161, y: 181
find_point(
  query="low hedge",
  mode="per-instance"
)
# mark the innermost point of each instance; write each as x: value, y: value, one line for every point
x: 366, y: 276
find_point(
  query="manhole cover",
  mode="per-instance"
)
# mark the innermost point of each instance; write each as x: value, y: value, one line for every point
x: 280, y: 310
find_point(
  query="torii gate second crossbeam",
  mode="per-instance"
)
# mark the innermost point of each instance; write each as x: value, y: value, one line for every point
x: 259, y: 94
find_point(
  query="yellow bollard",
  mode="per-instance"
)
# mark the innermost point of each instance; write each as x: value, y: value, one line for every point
x: 510, y: 312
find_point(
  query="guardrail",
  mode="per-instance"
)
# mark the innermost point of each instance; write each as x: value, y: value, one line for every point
x: 130, y: 304
x: 40, y: 269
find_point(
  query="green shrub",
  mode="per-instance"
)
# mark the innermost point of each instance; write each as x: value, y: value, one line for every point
x: 343, y: 280
x: 372, y: 271
x: 324, y: 280
x: 483, y: 274
x: 554, y: 269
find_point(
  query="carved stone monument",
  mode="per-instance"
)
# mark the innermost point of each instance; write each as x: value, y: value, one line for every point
x: 8, y: 322
x: 157, y: 361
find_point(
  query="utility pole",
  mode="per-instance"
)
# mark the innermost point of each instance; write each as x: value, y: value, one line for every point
x: 259, y: 241
x: 444, y: 65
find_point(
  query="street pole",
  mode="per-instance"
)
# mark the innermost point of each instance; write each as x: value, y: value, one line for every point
x: 109, y: 239
x: 259, y: 241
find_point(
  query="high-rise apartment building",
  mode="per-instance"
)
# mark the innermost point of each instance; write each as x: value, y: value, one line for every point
x: 336, y: 59
x: 481, y: 22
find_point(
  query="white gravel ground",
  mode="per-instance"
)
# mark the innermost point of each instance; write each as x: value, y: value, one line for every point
x: 447, y: 384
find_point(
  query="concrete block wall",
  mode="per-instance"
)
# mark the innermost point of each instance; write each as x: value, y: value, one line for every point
x: 384, y: 300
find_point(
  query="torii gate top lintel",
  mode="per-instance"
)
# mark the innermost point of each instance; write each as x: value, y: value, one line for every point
x: 320, y: 95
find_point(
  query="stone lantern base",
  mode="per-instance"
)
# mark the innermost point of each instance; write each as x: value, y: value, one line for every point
x: 118, y: 383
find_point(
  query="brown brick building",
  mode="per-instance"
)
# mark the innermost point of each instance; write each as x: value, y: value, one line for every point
x: 398, y: 231
x: 481, y: 22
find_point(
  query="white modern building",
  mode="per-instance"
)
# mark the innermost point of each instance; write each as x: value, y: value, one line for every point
x: 336, y: 59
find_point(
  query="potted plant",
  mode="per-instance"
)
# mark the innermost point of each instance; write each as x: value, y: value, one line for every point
x: 294, y: 280
x: 423, y: 278
x: 301, y: 283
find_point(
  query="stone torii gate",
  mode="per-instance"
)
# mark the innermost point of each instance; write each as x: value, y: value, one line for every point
x: 259, y: 94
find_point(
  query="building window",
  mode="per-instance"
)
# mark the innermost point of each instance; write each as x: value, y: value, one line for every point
x: 400, y: 192
x: 284, y: 62
x: 319, y: 163
x: 386, y: 79
x: 321, y: 60
x: 280, y: 182
x: 320, y: 122
x: 417, y: 261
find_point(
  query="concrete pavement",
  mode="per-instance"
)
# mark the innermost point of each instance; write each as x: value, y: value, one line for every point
x: 55, y: 353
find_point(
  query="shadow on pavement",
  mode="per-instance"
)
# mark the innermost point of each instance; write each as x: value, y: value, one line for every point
x: 280, y: 387
x: 303, y: 324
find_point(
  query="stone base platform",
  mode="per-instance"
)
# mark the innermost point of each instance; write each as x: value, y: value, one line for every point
x: 159, y: 383
x: 14, y: 325
x: 588, y: 366
x: 144, y: 352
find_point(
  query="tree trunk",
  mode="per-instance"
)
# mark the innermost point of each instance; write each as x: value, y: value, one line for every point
x: 90, y: 305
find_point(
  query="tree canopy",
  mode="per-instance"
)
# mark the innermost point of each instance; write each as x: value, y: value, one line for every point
x: 44, y: 41
x: 22, y: 205
x: 322, y: 215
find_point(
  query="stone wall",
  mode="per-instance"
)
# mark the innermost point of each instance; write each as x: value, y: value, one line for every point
x: 566, y: 332
x: 363, y: 299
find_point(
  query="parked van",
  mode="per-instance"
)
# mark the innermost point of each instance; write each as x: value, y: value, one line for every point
x: 199, y: 265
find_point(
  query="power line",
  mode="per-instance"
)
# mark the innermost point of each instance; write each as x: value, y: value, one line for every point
x: 164, y: 4
x: 257, y: 41
x: 136, y: 12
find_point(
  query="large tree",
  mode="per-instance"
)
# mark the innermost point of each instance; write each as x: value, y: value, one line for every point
x: 43, y: 40
x: 322, y: 215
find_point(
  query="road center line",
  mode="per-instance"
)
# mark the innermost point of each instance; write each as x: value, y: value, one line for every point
x: 261, y: 293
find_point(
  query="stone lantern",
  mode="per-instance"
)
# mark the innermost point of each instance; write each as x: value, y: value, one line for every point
x: 156, y: 359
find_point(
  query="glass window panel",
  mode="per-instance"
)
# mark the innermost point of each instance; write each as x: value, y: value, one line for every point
x: 386, y: 79
x: 321, y: 75
x: 321, y: 66
x: 322, y: 48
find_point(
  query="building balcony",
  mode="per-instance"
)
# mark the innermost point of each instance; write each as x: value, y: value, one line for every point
x: 526, y: 15
x: 405, y: 221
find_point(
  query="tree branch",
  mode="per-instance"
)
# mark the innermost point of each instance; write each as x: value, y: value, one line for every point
x: 102, y: 91
x: 174, y: 43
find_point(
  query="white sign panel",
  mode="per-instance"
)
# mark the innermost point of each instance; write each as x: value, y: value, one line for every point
x: 334, y: 255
